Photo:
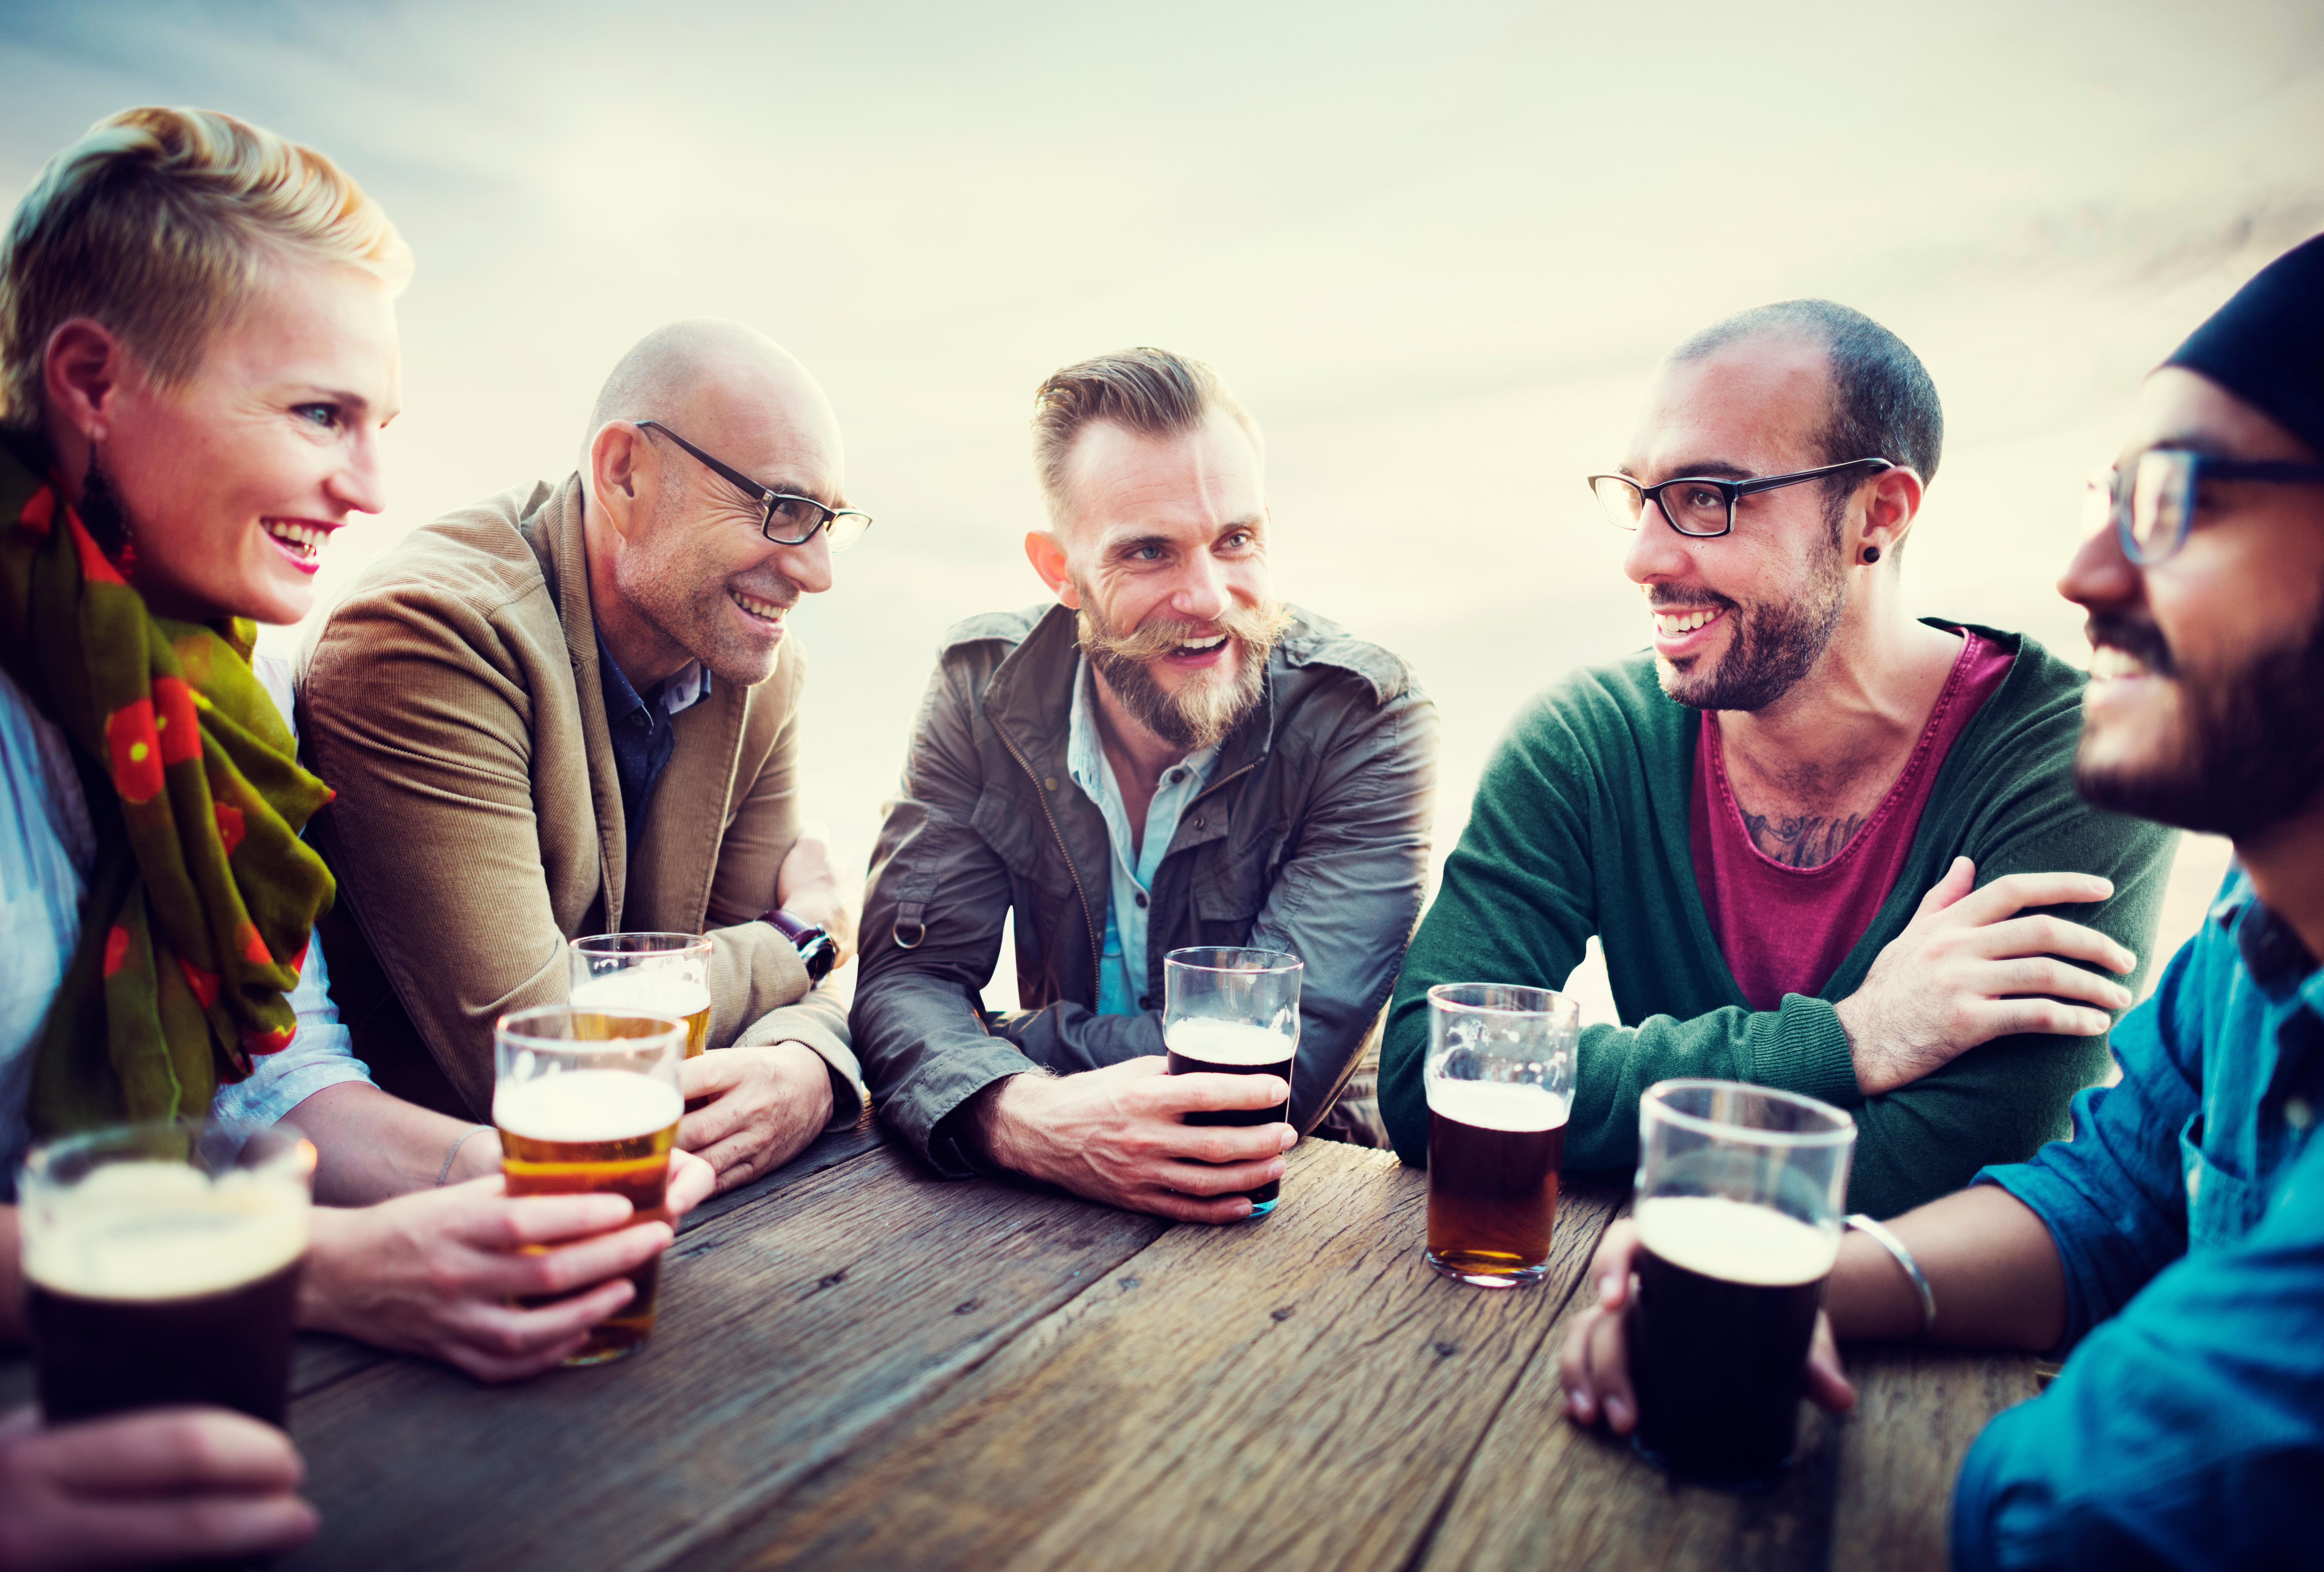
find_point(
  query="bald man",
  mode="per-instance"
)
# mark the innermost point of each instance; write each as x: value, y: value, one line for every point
x: 573, y: 709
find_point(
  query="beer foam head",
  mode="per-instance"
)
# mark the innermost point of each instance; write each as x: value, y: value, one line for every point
x: 1512, y: 1105
x: 586, y: 1104
x: 1235, y: 1042
x: 649, y: 990
x: 1736, y: 1240
x: 163, y: 1230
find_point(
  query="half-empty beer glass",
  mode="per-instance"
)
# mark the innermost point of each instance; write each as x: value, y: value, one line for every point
x: 654, y: 974
x: 162, y: 1266
x: 587, y: 1100
x: 1233, y: 1012
x: 1740, y: 1214
x: 1499, y: 1080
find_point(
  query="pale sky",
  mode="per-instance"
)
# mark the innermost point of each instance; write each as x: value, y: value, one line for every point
x: 1436, y: 249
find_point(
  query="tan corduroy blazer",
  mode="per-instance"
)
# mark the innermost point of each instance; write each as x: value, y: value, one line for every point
x: 453, y: 703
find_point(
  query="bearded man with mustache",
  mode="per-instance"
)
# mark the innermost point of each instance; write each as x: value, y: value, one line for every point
x: 1165, y: 756
x: 1824, y: 844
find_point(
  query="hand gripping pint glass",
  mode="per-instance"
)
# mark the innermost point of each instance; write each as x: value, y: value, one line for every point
x: 1740, y: 1213
x: 1499, y: 1080
x: 587, y: 1100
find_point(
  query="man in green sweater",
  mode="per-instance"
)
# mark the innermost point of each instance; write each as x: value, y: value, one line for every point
x: 1819, y: 840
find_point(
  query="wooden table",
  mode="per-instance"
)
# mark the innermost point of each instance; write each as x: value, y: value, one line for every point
x: 859, y: 1365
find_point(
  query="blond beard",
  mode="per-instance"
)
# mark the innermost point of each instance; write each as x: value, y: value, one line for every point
x: 1199, y: 714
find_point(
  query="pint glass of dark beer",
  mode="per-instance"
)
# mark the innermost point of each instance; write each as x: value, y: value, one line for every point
x: 1740, y: 1213
x: 162, y: 1266
x: 587, y: 1100
x: 1499, y: 1080
x: 1233, y: 1012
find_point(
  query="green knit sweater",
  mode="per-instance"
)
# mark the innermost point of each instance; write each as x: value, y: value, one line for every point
x: 1579, y: 826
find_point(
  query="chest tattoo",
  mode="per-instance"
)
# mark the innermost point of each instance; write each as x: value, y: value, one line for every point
x: 1806, y: 840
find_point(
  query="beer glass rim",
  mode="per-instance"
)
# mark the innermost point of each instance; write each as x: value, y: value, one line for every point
x: 36, y: 1170
x: 1264, y: 961
x: 1840, y: 1130
x: 1442, y: 997
x: 510, y: 1028
x: 625, y: 943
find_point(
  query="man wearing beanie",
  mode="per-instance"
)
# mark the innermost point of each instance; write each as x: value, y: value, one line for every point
x: 2175, y: 1244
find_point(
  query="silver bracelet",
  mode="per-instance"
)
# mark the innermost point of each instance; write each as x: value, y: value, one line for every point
x: 446, y: 1171
x: 1895, y: 1246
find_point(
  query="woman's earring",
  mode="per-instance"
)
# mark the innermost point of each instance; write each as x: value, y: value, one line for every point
x: 1872, y: 553
x: 101, y: 512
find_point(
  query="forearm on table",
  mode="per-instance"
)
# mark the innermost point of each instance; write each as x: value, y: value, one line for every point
x: 372, y: 1146
x: 1991, y: 1264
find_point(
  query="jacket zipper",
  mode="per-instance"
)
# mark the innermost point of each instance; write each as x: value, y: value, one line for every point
x: 1089, y: 921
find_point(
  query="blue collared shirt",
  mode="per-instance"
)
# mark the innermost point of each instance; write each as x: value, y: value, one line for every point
x: 641, y: 731
x: 1121, y: 980
x: 47, y: 849
x: 2187, y: 1429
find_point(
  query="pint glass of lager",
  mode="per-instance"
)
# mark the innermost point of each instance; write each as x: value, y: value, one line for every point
x: 1233, y: 1012
x: 587, y: 1100
x: 1500, y: 1079
x: 1740, y: 1213
x: 162, y: 1266
x: 650, y: 974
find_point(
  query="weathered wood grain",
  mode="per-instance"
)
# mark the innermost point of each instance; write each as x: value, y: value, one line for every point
x: 787, y: 1328
x: 1542, y: 1492
x: 1917, y: 1409
x: 827, y: 1151
x: 1296, y: 1393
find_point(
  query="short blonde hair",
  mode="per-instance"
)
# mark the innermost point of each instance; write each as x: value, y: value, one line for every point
x: 159, y: 223
x: 1151, y: 391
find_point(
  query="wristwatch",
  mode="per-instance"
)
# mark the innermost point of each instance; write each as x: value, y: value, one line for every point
x: 818, y: 951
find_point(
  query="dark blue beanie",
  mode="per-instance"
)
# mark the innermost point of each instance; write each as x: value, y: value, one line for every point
x: 2266, y: 345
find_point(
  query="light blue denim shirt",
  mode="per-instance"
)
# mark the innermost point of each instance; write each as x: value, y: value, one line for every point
x: 2187, y: 1429
x: 1122, y: 979
x: 47, y: 849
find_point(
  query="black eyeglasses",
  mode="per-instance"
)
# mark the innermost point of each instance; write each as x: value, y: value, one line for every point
x: 798, y: 517
x: 2152, y: 510
x: 1699, y: 504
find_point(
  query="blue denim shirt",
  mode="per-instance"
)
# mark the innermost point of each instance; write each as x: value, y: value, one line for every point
x: 1121, y: 980
x: 2187, y: 1429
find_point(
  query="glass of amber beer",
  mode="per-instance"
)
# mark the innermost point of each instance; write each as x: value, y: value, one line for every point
x: 162, y: 1266
x: 652, y: 974
x: 1227, y: 1012
x: 587, y: 1100
x: 1500, y: 1079
x: 1740, y: 1214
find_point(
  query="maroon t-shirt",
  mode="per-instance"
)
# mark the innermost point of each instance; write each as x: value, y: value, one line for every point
x: 1785, y: 930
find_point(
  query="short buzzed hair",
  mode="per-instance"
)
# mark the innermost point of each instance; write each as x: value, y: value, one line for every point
x: 1884, y: 404
x: 159, y: 224
x: 1151, y: 391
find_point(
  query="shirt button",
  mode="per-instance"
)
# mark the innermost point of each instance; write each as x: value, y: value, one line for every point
x: 1176, y: 776
x: 1145, y: 1001
x: 2298, y: 1114
x: 1141, y: 906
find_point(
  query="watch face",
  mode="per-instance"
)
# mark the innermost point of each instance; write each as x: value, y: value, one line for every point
x: 820, y: 953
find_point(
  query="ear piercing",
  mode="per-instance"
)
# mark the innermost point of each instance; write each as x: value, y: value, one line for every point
x: 1872, y: 553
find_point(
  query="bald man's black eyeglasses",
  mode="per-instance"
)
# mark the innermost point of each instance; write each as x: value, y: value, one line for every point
x: 791, y: 520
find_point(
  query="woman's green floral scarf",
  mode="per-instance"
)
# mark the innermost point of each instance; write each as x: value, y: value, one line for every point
x: 203, y: 896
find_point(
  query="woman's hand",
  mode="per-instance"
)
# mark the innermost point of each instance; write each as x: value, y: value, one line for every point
x: 433, y: 1273
x: 134, y: 1490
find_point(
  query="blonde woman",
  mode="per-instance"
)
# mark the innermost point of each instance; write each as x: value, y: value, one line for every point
x: 198, y: 356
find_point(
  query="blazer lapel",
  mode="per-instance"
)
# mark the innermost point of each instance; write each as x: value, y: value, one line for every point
x: 556, y: 537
